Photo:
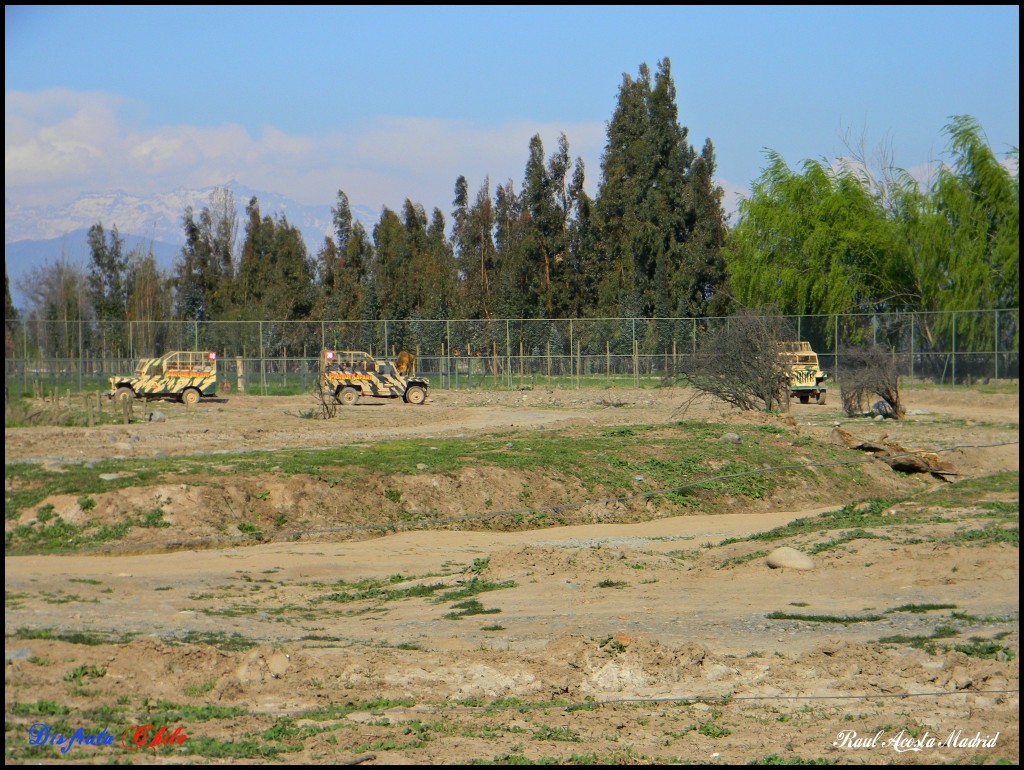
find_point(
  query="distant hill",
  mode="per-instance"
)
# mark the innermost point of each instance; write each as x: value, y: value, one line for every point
x: 20, y: 257
x: 36, y: 236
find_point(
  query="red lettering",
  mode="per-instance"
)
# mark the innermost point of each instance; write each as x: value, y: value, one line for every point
x: 142, y: 737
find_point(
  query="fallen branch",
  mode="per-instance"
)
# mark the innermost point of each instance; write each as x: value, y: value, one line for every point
x: 359, y: 760
x: 896, y: 457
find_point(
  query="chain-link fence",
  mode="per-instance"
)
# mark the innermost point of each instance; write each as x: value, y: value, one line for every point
x: 278, y: 357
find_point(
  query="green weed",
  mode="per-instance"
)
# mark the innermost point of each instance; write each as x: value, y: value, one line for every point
x: 841, y: 619
x: 469, y: 607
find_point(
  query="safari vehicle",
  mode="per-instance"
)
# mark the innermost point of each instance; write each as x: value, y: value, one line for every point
x: 800, y: 364
x: 184, y: 374
x: 350, y: 374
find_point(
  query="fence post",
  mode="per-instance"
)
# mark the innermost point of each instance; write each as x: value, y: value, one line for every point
x: 263, y: 364
x: 835, y: 344
x: 448, y: 347
x: 995, y: 345
x: 912, y: 315
x: 954, y: 348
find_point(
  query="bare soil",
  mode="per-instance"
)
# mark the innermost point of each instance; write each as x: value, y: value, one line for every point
x: 631, y: 643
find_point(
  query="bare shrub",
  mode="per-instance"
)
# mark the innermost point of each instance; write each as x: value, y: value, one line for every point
x: 869, y: 372
x: 738, y: 361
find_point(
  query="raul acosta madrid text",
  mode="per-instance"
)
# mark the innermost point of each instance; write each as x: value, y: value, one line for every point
x: 904, y: 741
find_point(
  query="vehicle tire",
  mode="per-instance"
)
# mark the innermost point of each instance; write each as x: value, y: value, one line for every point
x: 190, y: 397
x: 821, y: 399
x: 124, y: 395
x: 804, y: 399
x: 348, y: 396
x: 415, y: 394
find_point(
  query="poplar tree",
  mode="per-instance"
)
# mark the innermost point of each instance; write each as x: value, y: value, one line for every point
x: 342, y: 265
x: 107, y: 285
x: 475, y: 252
x: 659, y: 224
x: 204, y: 272
x: 275, y: 273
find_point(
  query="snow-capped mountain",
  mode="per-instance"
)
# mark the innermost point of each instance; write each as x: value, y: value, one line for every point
x: 34, y: 236
x: 158, y: 217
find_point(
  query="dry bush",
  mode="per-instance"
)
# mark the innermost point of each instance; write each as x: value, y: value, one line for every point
x: 738, y: 361
x: 868, y: 372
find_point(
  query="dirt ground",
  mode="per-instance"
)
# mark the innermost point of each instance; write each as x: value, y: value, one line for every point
x: 625, y: 643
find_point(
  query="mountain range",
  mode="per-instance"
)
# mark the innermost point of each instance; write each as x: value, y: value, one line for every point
x: 35, y: 236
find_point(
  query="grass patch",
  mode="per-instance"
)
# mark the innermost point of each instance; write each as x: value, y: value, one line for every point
x: 380, y: 591
x: 474, y: 587
x: 548, y: 733
x: 683, y: 462
x: 983, y: 648
x: 40, y: 708
x: 920, y: 608
x: 60, y: 536
x: 966, y: 493
x: 841, y: 619
x: 166, y: 712
x: 735, y: 561
x: 926, y: 643
x: 78, y: 674
x: 342, y: 710
x: 470, y: 607
x: 858, y: 516
x: 989, y: 535
x: 74, y: 637
x: 713, y: 730
x: 843, y: 539
x: 195, y: 690
x: 233, y: 642
x: 776, y: 759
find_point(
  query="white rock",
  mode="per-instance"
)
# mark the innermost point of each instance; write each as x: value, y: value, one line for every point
x: 789, y: 557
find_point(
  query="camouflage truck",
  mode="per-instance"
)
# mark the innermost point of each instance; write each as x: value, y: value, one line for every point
x: 349, y: 374
x: 803, y: 377
x: 184, y: 374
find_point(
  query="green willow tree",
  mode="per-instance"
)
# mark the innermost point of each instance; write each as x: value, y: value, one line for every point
x: 813, y: 242
x: 963, y: 237
x: 829, y: 241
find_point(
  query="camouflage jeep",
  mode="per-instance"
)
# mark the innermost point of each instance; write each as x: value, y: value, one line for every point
x: 800, y: 367
x: 350, y: 374
x: 184, y: 374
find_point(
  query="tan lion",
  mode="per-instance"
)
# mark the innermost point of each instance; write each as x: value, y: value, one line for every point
x: 406, y: 364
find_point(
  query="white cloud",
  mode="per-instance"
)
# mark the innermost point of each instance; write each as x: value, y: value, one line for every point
x: 59, y: 144
x: 57, y: 137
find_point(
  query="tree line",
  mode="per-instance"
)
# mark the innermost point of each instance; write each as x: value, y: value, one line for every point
x: 653, y: 243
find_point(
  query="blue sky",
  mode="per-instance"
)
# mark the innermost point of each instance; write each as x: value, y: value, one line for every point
x: 393, y: 102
